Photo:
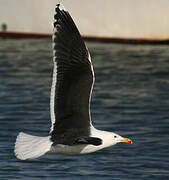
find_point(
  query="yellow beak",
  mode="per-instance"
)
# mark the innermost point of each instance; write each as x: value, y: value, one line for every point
x: 126, y: 140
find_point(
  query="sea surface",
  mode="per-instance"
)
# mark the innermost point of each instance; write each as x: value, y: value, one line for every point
x: 130, y: 97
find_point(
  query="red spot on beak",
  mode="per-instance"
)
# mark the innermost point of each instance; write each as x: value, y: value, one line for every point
x: 126, y: 140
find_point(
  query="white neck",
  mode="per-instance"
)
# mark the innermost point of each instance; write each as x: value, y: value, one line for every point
x: 107, y: 137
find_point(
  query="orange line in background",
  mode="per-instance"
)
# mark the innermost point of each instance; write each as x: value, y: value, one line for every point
x: 88, y: 38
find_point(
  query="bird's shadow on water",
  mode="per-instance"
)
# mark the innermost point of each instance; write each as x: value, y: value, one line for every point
x: 75, y: 165
x: 55, y: 166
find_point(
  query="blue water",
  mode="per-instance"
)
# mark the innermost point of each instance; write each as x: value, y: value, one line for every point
x: 131, y: 98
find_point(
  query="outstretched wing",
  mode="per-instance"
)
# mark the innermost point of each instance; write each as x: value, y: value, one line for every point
x: 73, y: 79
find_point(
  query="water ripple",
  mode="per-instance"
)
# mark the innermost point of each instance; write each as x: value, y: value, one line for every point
x: 130, y: 98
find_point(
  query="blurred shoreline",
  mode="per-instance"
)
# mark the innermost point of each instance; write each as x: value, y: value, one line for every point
x: 20, y: 35
x: 126, y: 21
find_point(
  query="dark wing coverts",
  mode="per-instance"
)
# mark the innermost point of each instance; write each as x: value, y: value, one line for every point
x: 74, y: 81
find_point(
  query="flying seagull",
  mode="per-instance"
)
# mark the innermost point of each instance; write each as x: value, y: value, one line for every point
x: 71, y: 131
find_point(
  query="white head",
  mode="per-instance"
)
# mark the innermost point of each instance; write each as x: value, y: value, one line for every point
x: 110, y: 139
x: 117, y: 139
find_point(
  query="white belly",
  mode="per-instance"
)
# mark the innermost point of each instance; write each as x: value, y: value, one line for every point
x: 77, y: 149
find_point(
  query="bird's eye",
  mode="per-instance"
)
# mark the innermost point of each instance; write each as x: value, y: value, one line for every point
x: 115, y: 136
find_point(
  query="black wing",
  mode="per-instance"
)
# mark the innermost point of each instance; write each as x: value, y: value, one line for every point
x: 73, y: 80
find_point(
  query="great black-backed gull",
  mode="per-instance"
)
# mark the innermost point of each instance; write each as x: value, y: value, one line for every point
x: 72, y: 131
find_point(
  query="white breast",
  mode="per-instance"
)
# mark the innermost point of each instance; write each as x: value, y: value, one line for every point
x: 77, y: 149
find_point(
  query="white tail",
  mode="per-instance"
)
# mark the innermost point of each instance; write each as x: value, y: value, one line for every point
x: 28, y: 146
